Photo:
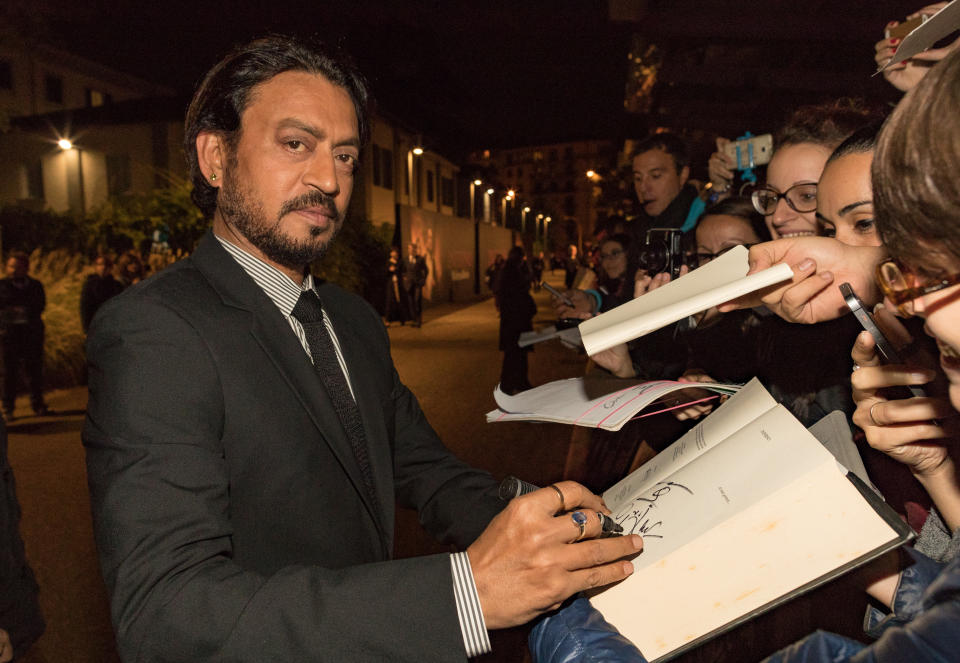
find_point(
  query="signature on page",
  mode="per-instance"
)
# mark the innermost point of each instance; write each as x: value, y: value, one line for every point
x: 641, y: 516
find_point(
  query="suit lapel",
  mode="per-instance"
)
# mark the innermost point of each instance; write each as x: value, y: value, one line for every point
x: 273, y: 333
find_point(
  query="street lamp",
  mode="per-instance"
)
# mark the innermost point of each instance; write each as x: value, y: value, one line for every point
x: 546, y: 226
x: 487, y: 199
x: 503, y: 213
x: 473, y: 208
x: 417, y: 150
x: 523, y: 218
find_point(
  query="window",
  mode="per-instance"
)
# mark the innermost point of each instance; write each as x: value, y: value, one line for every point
x: 387, y: 168
x: 446, y: 191
x: 429, y: 186
x: 53, y: 86
x: 376, y: 165
x: 97, y: 98
x: 35, y: 181
x: 6, y: 75
x: 118, y: 174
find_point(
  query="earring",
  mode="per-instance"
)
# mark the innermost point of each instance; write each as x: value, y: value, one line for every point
x: 213, y: 177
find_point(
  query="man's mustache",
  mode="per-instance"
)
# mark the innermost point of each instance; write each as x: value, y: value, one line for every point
x: 309, y: 200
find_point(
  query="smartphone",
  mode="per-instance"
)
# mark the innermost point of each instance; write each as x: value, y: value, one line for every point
x: 556, y: 293
x: 901, y: 30
x: 885, y: 348
x: 750, y: 152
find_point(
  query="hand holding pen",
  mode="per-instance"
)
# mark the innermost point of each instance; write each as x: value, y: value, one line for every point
x: 543, y: 547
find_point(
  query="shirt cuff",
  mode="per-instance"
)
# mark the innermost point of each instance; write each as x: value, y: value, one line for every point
x: 476, y: 640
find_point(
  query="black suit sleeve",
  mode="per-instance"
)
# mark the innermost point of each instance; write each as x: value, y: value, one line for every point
x: 162, y: 514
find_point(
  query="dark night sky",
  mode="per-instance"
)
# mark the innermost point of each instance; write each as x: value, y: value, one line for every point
x: 471, y: 74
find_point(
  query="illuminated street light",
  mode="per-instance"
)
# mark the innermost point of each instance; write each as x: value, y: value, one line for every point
x: 490, y: 191
x: 477, y: 182
x: 418, y: 151
x: 523, y: 218
x: 591, y: 174
x: 64, y: 144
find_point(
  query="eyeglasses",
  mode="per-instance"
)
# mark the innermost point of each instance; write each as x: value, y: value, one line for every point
x: 616, y: 253
x: 800, y: 198
x: 704, y: 258
x: 899, y: 285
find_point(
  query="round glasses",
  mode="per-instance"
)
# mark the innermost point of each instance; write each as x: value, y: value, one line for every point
x: 800, y: 198
x: 901, y: 286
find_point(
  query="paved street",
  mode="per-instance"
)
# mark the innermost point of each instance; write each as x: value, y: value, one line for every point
x: 452, y: 363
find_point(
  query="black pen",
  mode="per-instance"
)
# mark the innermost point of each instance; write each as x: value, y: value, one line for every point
x: 512, y: 487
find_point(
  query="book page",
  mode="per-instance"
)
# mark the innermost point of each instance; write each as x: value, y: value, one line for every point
x: 924, y: 36
x: 746, y: 405
x: 744, y: 469
x: 606, y: 403
x: 722, y: 279
x: 811, y: 528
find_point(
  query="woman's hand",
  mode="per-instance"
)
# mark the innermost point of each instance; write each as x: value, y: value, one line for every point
x: 616, y: 360
x: 720, y: 167
x: 905, y: 75
x: 700, y: 409
x: 905, y: 429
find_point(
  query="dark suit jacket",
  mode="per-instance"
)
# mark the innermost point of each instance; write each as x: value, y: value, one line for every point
x: 229, y: 511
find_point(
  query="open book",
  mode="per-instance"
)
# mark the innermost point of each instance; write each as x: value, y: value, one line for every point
x: 744, y: 512
x: 606, y: 403
x: 720, y: 280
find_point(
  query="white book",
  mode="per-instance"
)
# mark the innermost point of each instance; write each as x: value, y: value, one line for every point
x: 742, y: 513
x: 720, y: 280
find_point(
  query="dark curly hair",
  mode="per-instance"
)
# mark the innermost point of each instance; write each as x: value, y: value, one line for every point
x: 225, y: 92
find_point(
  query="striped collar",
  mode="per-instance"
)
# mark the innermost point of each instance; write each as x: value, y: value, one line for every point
x: 280, y: 288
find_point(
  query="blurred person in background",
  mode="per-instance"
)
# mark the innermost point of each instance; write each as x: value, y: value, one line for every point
x: 130, y: 270
x: 22, y: 301
x: 97, y: 289
x: 517, y: 309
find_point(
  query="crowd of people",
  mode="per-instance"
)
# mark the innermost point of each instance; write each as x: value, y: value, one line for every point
x: 849, y: 196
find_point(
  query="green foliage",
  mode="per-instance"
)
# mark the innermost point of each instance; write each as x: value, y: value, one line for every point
x: 356, y: 258
x: 129, y: 221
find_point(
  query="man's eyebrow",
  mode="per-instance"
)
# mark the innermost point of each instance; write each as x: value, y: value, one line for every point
x: 848, y: 208
x: 294, y: 123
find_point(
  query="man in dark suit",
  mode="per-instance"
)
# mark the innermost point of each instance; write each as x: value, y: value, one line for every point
x: 248, y: 436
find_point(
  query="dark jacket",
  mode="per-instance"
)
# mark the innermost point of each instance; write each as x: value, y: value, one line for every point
x: 96, y: 290
x: 19, y: 610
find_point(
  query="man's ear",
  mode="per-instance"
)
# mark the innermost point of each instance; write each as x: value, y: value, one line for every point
x: 684, y: 174
x: 211, y: 155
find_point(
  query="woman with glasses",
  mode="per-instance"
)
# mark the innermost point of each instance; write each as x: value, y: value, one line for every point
x: 618, y: 265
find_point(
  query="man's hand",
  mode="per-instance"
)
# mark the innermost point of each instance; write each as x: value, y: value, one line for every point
x: 6, y: 647
x: 529, y: 559
x: 820, y: 265
x: 645, y: 283
x: 700, y: 409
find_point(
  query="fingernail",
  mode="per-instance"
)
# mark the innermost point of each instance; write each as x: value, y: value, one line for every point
x: 894, y: 41
x: 637, y: 542
x: 806, y: 264
x: 826, y: 276
x: 628, y: 568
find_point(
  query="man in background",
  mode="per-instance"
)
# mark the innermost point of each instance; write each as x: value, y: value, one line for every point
x: 97, y: 289
x: 22, y: 300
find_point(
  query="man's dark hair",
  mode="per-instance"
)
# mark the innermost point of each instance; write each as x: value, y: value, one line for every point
x: 225, y: 93
x: 861, y: 141
x: 670, y: 143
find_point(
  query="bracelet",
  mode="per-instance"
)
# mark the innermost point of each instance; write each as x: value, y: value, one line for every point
x: 597, y: 297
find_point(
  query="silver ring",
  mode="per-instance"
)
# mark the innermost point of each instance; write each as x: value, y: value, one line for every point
x: 856, y: 367
x: 873, y: 418
x: 580, y: 520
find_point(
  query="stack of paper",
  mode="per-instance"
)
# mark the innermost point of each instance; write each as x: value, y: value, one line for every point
x: 596, y: 403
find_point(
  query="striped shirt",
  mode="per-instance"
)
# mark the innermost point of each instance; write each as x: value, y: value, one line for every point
x: 284, y: 292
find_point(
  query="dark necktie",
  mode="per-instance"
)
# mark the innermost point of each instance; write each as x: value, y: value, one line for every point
x: 309, y: 313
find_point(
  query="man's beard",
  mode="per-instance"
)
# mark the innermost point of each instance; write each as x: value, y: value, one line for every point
x: 248, y: 217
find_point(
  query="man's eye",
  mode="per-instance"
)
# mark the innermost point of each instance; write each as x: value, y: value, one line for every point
x: 295, y: 145
x: 348, y: 160
x: 864, y: 225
